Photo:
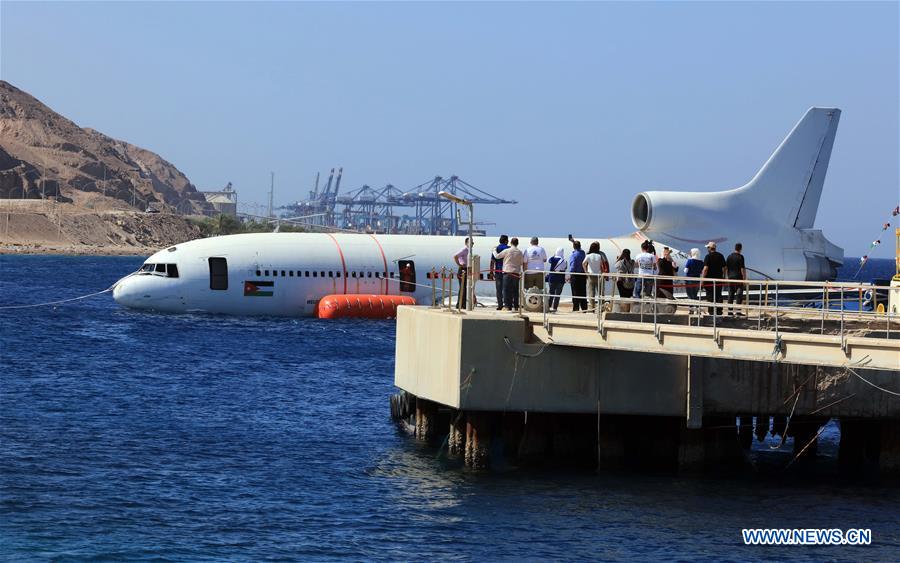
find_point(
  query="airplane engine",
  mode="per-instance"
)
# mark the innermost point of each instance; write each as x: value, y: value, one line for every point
x: 689, y: 217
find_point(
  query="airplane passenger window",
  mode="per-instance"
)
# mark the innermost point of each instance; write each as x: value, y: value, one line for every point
x: 306, y: 273
x: 370, y: 274
x: 314, y: 274
x: 290, y: 273
x: 330, y: 274
x: 353, y: 274
x: 172, y: 270
x: 267, y: 273
x: 218, y: 273
x: 258, y: 273
x: 323, y: 274
x: 282, y: 273
x: 337, y: 274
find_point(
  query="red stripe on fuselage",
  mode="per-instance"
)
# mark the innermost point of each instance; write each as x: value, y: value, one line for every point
x: 387, y: 289
x: 343, y: 263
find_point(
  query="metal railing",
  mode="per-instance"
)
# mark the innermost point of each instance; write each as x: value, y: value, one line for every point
x: 823, y: 307
x: 777, y: 305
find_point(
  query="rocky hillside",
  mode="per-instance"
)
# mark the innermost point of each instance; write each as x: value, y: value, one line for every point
x: 30, y: 226
x: 42, y: 152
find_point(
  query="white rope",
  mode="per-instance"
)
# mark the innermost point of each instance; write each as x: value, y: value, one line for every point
x: 888, y: 391
x: 60, y: 302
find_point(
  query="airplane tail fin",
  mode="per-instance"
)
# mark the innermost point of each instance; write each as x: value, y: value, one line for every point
x: 772, y: 215
x: 789, y: 184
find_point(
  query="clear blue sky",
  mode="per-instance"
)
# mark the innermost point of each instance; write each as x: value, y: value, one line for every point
x: 569, y: 108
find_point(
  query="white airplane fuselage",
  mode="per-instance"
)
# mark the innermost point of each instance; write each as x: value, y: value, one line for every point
x: 286, y: 274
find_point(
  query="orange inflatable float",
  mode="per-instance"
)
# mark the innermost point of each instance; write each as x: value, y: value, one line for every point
x: 362, y: 306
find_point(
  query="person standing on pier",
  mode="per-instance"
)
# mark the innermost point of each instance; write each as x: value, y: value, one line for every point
x: 576, y: 278
x: 512, y: 270
x: 646, y: 266
x: 462, y: 261
x: 625, y: 285
x: 713, y: 268
x: 736, y: 270
x: 535, y: 257
x: 556, y: 278
x: 497, y: 269
x: 692, y: 269
x: 595, y: 263
x: 667, y: 267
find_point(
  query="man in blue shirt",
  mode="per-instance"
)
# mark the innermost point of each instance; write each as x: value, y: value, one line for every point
x: 497, y: 269
x: 578, y: 282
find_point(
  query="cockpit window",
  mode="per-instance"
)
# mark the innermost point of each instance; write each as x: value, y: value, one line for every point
x: 161, y: 270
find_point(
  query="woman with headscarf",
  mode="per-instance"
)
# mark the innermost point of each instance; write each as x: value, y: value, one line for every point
x: 625, y: 285
x: 556, y: 278
x: 692, y: 269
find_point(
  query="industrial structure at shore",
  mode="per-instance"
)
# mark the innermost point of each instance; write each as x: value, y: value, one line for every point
x: 419, y: 210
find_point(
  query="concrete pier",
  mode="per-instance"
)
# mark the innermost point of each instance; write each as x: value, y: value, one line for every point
x: 508, y: 379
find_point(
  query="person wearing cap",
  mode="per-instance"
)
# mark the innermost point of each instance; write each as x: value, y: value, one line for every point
x: 713, y: 268
x: 692, y: 269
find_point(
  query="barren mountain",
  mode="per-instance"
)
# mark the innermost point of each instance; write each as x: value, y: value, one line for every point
x: 43, y: 153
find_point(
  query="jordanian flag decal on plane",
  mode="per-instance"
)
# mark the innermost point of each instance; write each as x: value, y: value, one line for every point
x: 259, y: 288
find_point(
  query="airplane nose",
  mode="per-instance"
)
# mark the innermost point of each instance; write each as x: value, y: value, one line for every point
x: 119, y: 292
x: 125, y: 292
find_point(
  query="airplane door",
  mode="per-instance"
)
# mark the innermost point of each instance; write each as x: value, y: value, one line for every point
x: 407, y: 276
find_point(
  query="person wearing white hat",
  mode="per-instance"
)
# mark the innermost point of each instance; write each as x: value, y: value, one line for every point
x: 713, y: 268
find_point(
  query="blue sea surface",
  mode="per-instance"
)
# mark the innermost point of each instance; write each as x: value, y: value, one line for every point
x: 127, y: 435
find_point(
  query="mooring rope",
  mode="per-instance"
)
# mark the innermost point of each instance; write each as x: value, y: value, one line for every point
x: 59, y: 302
x: 888, y: 391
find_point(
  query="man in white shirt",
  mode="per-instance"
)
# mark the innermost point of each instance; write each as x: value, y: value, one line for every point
x: 513, y: 260
x: 645, y: 263
x: 461, y: 259
x: 535, y: 258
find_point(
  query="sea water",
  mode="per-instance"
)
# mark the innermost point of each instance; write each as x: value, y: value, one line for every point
x: 130, y: 435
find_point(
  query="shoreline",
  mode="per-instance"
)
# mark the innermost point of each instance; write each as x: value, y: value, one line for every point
x: 74, y: 250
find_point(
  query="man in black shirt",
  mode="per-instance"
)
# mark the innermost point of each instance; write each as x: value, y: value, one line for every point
x: 667, y: 267
x: 714, y: 268
x: 734, y: 268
